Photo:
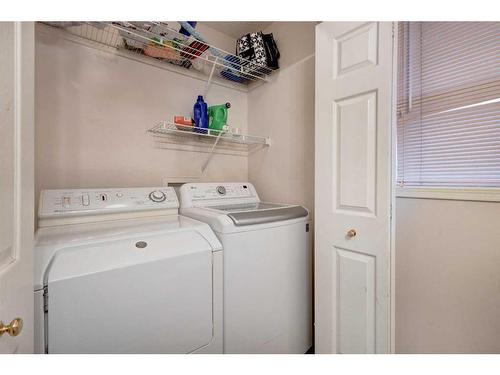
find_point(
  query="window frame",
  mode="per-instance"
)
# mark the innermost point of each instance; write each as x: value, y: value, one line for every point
x: 450, y: 193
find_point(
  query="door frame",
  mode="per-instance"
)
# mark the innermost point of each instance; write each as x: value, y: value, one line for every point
x: 392, y: 266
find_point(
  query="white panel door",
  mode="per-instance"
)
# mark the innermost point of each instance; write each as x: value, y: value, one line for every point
x: 16, y: 184
x: 353, y: 186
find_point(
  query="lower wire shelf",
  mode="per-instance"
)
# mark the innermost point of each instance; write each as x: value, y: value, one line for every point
x: 207, y: 140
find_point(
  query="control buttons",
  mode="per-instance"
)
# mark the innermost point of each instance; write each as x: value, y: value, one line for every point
x: 85, y: 200
x: 157, y: 196
x: 66, y: 201
x: 119, y: 195
x: 221, y: 190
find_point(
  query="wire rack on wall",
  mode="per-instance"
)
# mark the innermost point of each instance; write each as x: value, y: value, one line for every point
x: 209, y: 135
x: 190, y: 138
x: 158, y: 40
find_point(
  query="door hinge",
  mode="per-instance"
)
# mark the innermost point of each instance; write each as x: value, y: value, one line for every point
x: 45, y: 299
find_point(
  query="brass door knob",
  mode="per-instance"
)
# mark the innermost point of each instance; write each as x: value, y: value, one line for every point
x: 351, y: 233
x: 14, y: 328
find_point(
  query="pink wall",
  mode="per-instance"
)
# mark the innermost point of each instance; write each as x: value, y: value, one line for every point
x: 92, y: 112
x: 285, y: 172
x: 447, y: 276
x: 284, y: 109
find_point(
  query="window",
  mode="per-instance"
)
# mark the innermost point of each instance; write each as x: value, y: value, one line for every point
x: 448, y: 107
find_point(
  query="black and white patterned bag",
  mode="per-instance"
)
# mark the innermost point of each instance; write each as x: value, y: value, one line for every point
x: 251, y: 47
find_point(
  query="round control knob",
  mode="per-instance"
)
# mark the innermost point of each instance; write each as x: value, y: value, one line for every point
x: 221, y: 190
x: 157, y: 196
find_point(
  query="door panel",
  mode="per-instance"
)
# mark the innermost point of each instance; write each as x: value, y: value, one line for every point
x: 353, y: 186
x: 16, y: 182
x: 355, y: 128
x: 356, y: 302
x: 356, y: 48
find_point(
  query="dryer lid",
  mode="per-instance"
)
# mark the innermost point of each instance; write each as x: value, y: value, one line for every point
x: 150, y: 294
x: 77, y: 261
x: 179, y: 232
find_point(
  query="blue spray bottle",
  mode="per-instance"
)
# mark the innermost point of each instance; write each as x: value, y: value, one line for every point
x: 200, y: 112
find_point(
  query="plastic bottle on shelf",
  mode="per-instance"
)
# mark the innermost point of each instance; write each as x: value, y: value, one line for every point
x: 184, y: 31
x: 217, y: 115
x: 200, y: 112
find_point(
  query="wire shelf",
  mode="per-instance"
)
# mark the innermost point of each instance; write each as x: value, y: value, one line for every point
x: 159, y: 41
x: 181, y: 133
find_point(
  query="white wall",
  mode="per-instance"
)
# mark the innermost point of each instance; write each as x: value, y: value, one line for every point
x: 92, y: 112
x: 447, y: 276
x: 284, y: 110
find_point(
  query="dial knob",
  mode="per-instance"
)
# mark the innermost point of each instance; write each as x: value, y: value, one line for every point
x: 221, y: 190
x: 157, y: 196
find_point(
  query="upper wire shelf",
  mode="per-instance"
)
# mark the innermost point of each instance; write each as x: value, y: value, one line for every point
x: 158, y: 40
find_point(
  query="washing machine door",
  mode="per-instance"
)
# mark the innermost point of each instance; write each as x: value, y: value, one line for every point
x: 151, y: 294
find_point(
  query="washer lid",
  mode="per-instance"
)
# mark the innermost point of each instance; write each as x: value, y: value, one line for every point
x: 246, y: 206
x: 269, y: 215
x: 260, y: 212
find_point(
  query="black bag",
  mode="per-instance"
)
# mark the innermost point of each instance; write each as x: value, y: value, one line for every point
x: 272, y: 51
x: 260, y: 49
x: 251, y: 47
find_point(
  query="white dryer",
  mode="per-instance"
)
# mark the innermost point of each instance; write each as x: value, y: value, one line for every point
x: 119, y: 271
x: 267, y: 266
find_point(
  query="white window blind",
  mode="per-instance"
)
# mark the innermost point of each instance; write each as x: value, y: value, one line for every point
x: 448, y: 126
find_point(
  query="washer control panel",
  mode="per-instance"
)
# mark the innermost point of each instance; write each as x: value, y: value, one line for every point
x: 212, y: 193
x: 76, y: 202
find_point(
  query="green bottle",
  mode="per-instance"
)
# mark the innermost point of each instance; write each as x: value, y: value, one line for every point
x: 217, y: 115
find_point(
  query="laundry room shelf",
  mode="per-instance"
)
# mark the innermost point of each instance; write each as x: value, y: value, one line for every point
x: 182, y: 133
x: 159, y: 41
x: 188, y: 138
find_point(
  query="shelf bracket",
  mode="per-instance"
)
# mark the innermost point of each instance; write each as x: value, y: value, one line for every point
x: 207, y: 87
x: 209, y: 81
x: 211, y: 154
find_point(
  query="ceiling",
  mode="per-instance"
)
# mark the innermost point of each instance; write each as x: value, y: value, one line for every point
x: 236, y: 29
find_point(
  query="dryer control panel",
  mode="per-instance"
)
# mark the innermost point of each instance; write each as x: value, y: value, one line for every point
x: 203, y: 194
x: 77, y: 202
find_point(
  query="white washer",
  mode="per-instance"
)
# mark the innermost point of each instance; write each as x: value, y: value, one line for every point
x: 267, y: 266
x: 119, y: 271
